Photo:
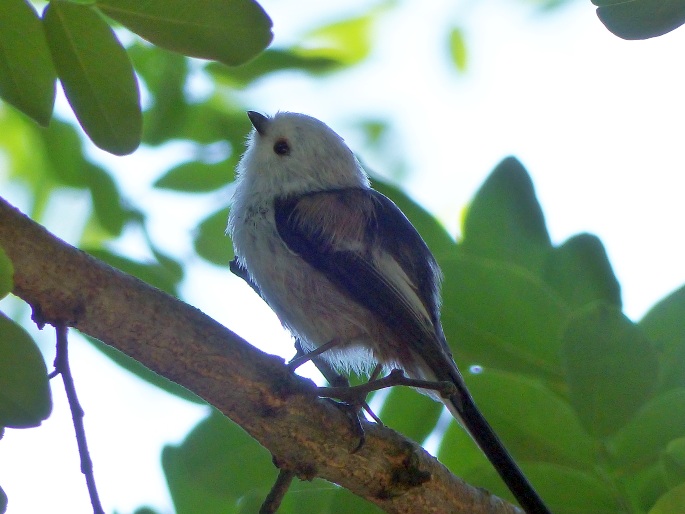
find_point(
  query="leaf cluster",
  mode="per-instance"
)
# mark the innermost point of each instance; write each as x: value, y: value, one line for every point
x: 76, y: 43
x: 590, y: 402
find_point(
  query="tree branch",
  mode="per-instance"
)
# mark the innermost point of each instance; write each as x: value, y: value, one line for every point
x: 307, y: 435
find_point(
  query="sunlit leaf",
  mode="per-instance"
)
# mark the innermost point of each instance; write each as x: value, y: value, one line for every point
x: 641, y: 19
x: 229, y: 31
x: 611, y: 367
x: 211, y: 241
x: 27, y: 76
x: 347, y: 41
x: 579, y: 270
x: 457, y: 46
x: 96, y: 74
x: 6, y: 274
x: 24, y: 391
x: 664, y: 324
x: 197, y: 176
x: 670, y: 503
x: 215, y: 466
x: 505, y: 221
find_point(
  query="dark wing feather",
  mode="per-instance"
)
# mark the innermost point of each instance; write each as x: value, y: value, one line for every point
x: 342, y: 232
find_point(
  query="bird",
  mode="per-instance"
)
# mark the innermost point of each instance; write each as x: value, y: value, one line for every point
x: 344, y: 269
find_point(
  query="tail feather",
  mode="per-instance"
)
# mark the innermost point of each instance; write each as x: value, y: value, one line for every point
x: 464, y: 409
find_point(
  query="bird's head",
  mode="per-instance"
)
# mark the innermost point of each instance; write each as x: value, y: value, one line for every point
x: 293, y: 153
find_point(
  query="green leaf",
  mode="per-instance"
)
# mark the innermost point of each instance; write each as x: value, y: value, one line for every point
x: 641, y: 19
x: 664, y: 324
x: 611, y: 367
x: 173, y: 267
x: 24, y: 391
x: 107, y: 202
x: 670, y: 503
x: 321, y: 498
x: 344, y: 502
x: 347, y: 41
x: 643, y: 486
x: 579, y: 270
x: 211, y: 241
x: 197, y: 176
x: 457, y: 46
x: 27, y: 76
x: 165, y: 75
x: 271, y: 61
x: 153, y: 273
x: 6, y: 274
x: 229, y: 31
x: 64, y: 152
x: 565, y: 490
x: 673, y: 461
x: 501, y: 315
x: 505, y: 221
x: 96, y: 74
x: 534, y: 423
x: 205, y: 123
x: 646, y: 435
x: 410, y: 413
x: 215, y: 466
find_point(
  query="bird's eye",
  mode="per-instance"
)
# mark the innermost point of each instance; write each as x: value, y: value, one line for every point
x: 281, y: 147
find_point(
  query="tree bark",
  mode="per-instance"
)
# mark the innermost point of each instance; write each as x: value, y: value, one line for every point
x: 279, y: 409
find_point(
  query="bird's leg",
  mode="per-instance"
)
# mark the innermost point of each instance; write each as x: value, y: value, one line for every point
x: 352, y: 410
x: 395, y: 378
x: 303, y: 357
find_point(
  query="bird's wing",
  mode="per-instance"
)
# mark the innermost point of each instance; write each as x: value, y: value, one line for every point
x: 365, y: 245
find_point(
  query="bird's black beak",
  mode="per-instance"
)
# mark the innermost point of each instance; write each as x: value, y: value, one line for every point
x: 259, y: 121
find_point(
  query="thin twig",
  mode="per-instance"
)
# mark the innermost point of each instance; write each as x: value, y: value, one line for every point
x: 62, y: 368
x: 277, y: 493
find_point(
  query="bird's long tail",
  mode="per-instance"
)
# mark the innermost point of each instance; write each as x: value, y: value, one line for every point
x: 464, y: 409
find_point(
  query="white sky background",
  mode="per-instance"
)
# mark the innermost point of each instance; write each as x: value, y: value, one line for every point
x: 596, y: 120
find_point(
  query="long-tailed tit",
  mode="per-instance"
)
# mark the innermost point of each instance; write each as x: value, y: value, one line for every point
x: 342, y: 266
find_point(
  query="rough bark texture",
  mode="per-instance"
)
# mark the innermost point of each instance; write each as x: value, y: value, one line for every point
x: 280, y: 410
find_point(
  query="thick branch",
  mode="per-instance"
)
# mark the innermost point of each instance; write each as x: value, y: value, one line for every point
x: 280, y: 410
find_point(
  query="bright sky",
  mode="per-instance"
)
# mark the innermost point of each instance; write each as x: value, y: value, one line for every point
x: 597, y: 121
